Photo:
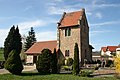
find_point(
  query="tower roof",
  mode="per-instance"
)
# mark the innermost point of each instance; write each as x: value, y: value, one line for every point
x: 71, y: 19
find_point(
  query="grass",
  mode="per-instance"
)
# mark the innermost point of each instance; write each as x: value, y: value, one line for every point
x: 36, y: 76
x: 1, y: 55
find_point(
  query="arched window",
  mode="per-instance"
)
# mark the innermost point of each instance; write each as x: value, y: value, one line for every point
x: 67, y: 53
x: 67, y: 32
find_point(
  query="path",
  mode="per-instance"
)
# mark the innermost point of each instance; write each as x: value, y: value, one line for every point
x: 26, y: 68
x: 102, y: 72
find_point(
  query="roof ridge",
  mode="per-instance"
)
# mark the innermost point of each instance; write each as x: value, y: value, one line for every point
x: 46, y: 41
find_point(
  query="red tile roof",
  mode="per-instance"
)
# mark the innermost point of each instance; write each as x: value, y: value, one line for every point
x: 104, y: 49
x: 71, y: 19
x: 112, y: 48
x: 37, y: 47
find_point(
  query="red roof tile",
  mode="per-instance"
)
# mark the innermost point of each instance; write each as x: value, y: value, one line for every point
x: 112, y: 48
x: 71, y: 19
x: 37, y: 47
x: 104, y: 49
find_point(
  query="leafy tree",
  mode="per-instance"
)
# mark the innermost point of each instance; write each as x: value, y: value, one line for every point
x: 8, y: 44
x: 76, y: 60
x: 30, y: 40
x: 13, y: 64
x: 54, y: 62
x: 44, y: 62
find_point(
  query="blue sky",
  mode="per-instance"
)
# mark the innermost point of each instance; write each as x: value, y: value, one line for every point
x: 103, y: 17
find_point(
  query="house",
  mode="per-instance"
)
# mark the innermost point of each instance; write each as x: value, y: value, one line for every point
x: 72, y: 28
x: 36, y: 49
x: 108, y: 52
x: 96, y: 56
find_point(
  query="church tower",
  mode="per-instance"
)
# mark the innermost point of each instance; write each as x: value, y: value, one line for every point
x: 73, y: 28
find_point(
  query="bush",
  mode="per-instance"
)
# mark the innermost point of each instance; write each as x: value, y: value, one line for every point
x: 67, y: 68
x: 85, y: 73
x: 54, y: 63
x: 44, y: 62
x: 109, y: 63
x: 69, y: 62
x: 13, y: 64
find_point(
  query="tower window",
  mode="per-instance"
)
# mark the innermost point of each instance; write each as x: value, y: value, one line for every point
x: 67, y: 53
x: 67, y: 32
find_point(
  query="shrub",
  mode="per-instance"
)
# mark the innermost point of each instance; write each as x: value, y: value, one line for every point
x: 54, y: 61
x: 69, y: 62
x: 109, y: 63
x: 117, y: 64
x: 13, y: 64
x: 67, y: 68
x: 43, y: 64
x: 85, y: 73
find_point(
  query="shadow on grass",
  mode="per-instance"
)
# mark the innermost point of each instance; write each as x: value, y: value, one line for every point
x: 31, y: 74
x: 37, y: 73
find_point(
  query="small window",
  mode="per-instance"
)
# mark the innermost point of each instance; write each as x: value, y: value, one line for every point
x: 66, y: 53
x: 67, y: 32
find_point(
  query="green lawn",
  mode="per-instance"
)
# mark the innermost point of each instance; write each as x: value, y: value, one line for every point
x: 1, y: 55
x: 36, y: 76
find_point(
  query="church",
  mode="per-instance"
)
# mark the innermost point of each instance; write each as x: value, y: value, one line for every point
x: 72, y: 28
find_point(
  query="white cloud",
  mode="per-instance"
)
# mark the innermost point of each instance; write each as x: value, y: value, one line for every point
x: 58, y: 0
x: 27, y: 8
x: 98, y: 15
x: 98, y: 32
x: 105, y: 23
x: 108, y: 5
x: 59, y: 10
x: 46, y: 35
x: 26, y: 25
x: 3, y: 35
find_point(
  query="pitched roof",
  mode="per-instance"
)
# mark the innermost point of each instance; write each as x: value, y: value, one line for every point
x: 71, y: 19
x: 112, y: 48
x: 104, y: 49
x: 37, y: 47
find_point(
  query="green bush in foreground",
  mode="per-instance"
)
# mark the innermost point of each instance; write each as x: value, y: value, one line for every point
x: 44, y: 62
x: 13, y: 64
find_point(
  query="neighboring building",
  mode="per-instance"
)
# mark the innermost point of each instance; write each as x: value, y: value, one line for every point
x: 118, y: 52
x: 108, y: 52
x: 72, y: 28
x: 36, y: 49
x: 96, y: 56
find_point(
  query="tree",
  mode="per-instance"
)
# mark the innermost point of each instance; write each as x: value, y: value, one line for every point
x: 54, y: 62
x: 76, y: 60
x: 13, y: 64
x: 12, y: 50
x: 30, y: 40
x: 8, y: 44
x: 17, y: 39
x: 44, y: 62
